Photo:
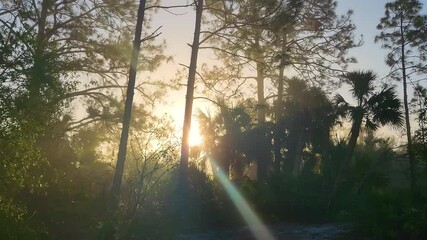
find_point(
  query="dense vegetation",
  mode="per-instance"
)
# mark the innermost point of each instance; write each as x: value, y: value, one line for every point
x: 302, y: 153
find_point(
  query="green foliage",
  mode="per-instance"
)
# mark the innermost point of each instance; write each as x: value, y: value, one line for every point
x: 286, y: 198
x: 392, y: 214
x: 23, y: 169
x: 209, y: 208
x: 17, y: 224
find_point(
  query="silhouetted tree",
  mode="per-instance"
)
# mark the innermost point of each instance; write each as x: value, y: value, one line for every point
x: 225, y: 137
x: 404, y: 33
x: 307, y: 120
x: 373, y: 109
x: 255, y: 40
x: 185, y: 149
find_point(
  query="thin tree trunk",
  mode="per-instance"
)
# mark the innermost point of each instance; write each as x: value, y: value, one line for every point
x: 278, y: 128
x: 262, y: 106
x: 405, y: 104
x: 185, y: 149
x: 182, y: 189
x: 299, y: 147
x: 37, y: 73
x: 263, y: 158
x: 297, y: 137
x: 355, y: 131
x: 118, y: 175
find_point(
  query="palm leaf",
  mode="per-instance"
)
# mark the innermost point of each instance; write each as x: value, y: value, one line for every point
x: 371, y: 125
x: 341, y: 106
x: 385, y: 107
x: 362, y: 83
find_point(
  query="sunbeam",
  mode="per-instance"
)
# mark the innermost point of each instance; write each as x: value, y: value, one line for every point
x: 256, y: 226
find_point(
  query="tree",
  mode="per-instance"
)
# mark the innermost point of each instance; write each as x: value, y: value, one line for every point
x: 225, y: 137
x: 238, y: 38
x: 307, y: 120
x: 182, y: 189
x: 121, y: 156
x: 373, y: 109
x: 185, y: 149
x: 255, y: 40
x: 54, y: 49
x: 404, y: 33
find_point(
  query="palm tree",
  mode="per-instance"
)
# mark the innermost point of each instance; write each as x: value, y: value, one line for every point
x: 224, y: 136
x: 373, y: 109
x: 307, y: 120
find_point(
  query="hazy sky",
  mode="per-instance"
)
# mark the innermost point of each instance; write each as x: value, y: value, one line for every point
x: 178, y: 31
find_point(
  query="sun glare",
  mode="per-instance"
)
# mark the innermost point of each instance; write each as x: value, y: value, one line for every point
x: 195, y: 136
x: 255, y: 224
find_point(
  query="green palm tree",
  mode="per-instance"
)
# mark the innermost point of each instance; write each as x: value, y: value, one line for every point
x: 372, y: 109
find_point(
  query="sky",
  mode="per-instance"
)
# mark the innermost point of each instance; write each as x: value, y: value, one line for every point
x: 178, y: 29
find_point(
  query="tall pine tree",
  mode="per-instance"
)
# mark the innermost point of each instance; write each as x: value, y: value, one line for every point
x: 404, y: 33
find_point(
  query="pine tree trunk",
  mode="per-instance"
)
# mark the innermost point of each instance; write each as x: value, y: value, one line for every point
x: 278, y: 128
x: 298, y: 136
x: 263, y: 158
x: 37, y: 73
x: 185, y: 148
x: 182, y: 204
x: 405, y: 104
x: 262, y: 106
x: 299, y: 147
x: 108, y: 232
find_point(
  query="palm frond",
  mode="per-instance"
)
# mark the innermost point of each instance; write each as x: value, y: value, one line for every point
x: 362, y: 83
x: 371, y: 125
x: 342, y: 107
x: 385, y: 107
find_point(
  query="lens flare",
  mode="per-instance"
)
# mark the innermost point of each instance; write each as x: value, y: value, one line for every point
x: 256, y: 226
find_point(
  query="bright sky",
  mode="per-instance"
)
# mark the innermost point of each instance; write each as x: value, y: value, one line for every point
x: 178, y: 31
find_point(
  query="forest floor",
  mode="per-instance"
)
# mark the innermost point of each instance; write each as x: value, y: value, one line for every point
x: 282, y: 231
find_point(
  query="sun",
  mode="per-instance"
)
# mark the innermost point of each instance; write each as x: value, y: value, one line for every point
x: 195, y: 136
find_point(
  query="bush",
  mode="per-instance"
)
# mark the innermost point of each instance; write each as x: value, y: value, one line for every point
x: 16, y: 224
x: 392, y: 214
x: 285, y: 198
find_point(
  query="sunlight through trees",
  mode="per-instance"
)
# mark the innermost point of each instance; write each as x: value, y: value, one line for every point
x: 276, y: 123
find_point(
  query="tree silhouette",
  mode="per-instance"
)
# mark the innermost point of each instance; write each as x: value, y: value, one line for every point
x: 404, y: 33
x: 259, y: 41
x: 185, y: 149
x: 372, y: 110
x: 225, y: 137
